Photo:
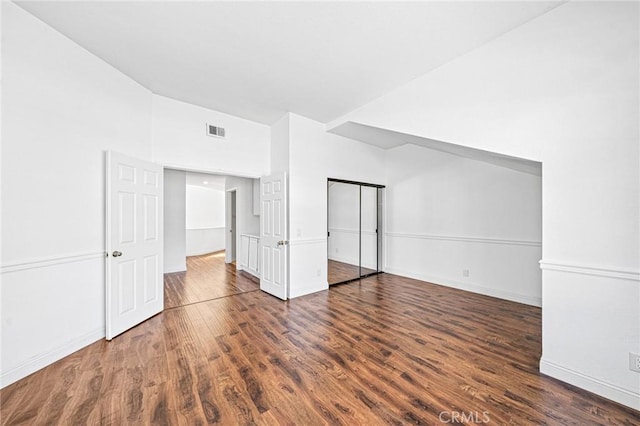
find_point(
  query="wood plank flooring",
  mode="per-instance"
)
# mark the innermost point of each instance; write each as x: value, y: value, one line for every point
x: 207, y: 277
x: 339, y: 272
x: 382, y: 350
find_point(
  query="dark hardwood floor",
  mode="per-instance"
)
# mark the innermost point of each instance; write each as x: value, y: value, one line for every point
x: 339, y: 272
x: 382, y: 350
x: 207, y: 277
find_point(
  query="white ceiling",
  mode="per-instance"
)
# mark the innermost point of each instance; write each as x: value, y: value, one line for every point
x: 258, y: 60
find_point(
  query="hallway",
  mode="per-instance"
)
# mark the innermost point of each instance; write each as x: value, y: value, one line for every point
x: 207, y: 277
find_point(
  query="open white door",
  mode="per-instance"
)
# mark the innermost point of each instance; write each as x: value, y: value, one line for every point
x: 274, y: 275
x: 134, y: 280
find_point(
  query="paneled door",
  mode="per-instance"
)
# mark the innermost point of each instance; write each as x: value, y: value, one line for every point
x: 134, y: 237
x: 273, y: 235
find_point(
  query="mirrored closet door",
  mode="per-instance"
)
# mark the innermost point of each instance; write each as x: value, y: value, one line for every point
x: 354, y: 230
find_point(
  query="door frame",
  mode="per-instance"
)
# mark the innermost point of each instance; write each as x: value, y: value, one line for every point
x: 380, y: 209
x: 230, y: 253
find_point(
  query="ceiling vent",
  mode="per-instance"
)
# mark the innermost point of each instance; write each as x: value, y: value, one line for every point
x: 215, y: 131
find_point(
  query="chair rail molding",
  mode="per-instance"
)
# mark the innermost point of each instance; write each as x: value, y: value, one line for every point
x: 307, y: 241
x: 50, y: 261
x: 351, y: 231
x: 600, y: 271
x: 462, y: 238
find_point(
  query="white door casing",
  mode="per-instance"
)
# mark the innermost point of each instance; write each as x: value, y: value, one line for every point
x: 230, y: 241
x: 274, y: 245
x: 134, y: 242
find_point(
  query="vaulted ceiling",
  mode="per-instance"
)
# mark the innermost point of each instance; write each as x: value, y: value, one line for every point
x: 259, y: 60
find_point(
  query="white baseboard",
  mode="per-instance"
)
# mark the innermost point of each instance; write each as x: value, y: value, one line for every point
x: 308, y: 289
x: 173, y: 269
x: 591, y: 384
x: 249, y: 271
x: 208, y: 250
x: 42, y: 360
x: 341, y: 259
x: 474, y: 288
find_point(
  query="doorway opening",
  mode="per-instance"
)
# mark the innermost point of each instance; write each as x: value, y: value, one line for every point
x: 206, y: 216
x: 354, y: 230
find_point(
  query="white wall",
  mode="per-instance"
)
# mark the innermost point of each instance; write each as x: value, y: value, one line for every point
x: 1, y: 137
x: 562, y: 89
x: 447, y: 214
x: 279, y: 158
x: 205, y: 220
x: 175, y: 251
x: 180, y: 140
x: 314, y: 156
x: 61, y: 109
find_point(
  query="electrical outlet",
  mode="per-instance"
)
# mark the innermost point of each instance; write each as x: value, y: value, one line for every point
x: 317, y: 272
x: 634, y: 362
x: 465, y: 272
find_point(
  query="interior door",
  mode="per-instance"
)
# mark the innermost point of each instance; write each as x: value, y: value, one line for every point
x: 273, y: 235
x: 134, y: 238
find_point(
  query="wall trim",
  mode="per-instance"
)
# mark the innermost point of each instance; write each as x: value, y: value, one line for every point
x: 466, y: 239
x: 308, y: 289
x: 173, y: 270
x: 618, y: 273
x: 206, y: 229
x: 351, y: 231
x: 308, y: 241
x: 44, y: 359
x: 344, y: 259
x: 597, y: 386
x: 51, y: 261
x: 474, y: 288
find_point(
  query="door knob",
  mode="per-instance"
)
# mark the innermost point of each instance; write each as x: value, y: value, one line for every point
x: 117, y: 254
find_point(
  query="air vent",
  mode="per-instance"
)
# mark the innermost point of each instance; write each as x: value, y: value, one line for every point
x: 215, y: 131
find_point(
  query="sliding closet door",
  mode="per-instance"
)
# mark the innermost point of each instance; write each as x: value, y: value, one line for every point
x: 368, y: 230
x: 344, y: 232
x: 354, y: 228
x: 380, y: 227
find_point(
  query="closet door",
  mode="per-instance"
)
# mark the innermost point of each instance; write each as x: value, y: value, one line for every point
x: 368, y: 230
x: 343, y: 232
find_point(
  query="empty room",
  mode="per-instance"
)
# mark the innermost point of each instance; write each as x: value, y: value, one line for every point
x: 305, y: 213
